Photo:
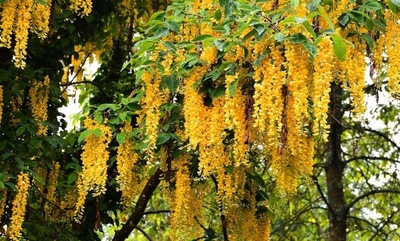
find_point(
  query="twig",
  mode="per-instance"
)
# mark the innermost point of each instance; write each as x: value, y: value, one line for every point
x: 323, y: 196
x: 372, y: 192
x: 156, y: 211
x: 143, y: 232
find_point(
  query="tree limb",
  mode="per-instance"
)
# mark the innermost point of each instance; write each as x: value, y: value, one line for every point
x: 380, y: 134
x: 372, y: 192
x: 382, y: 226
x: 144, y: 233
x: 323, y: 196
x: 141, y: 204
x: 156, y: 212
x: 371, y: 158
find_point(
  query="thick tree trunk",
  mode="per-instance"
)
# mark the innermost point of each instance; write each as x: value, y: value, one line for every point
x: 334, y: 169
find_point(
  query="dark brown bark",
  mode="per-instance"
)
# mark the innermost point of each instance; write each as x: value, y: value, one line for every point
x: 141, y: 204
x: 334, y: 169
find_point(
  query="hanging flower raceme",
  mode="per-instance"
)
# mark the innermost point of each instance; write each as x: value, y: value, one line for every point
x: 51, y: 191
x: 40, y: 18
x: 38, y: 97
x: 94, y: 158
x: 7, y: 22
x: 3, y: 201
x: 186, y: 205
x: 126, y: 160
x: 322, y: 77
x: 81, y: 7
x: 21, y: 31
x: 18, y: 207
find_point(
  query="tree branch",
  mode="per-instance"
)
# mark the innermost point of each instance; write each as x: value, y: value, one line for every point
x: 323, y: 196
x: 144, y: 233
x: 372, y: 192
x: 382, y: 226
x: 141, y: 204
x: 380, y: 134
x: 371, y: 158
x: 156, y: 212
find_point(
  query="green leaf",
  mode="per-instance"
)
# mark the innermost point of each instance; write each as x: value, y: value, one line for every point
x: 202, y: 37
x: 368, y: 40
x: 170, y: 45
x: 339, y: 47
x: 344, y: 20
x: 157, y: 16
x: 107, y: 106
x: 232, y: 87
x: 172, y: 26
x: 171, y: 82
x: 260, y: 29
x: 86, y: 133
x: 20, y: 130
x: 2, y: 145
x: 229, y: 169
x: 219, y: 44
x: 372, y: 5
x: 218, y: 15
x: 161, y: 32
x: 298, y: 38
x: 310, y: 29
x: 294, y: 3
x: 121, y: 138
x: 326, y: 17
x: 217, y: 92
x: 162, y: 138
x: 394, y: 5
x: 71, y: 178
x: 249, y: 35
x: 280, y: 37
x: 311, y: 48
x: 228, y: 6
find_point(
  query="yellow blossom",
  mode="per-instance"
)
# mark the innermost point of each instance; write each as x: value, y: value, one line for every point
x: 18, y: 207
x: 39, y: 96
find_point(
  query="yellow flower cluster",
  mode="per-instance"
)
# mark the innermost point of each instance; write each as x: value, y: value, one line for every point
x: 3, y: 200
x: 19, y: 206
x: 193, y: 107
x: 18, y: 17
x: 81, y: 7
x: 151, y: 103
x: 126, y: 160
x: 353, y: 68
x: 22, y: 24
x: 16, y: 103
x: 322, y: 77
x: 40, y: 18
x: 393, y: 51
x: 94, y: 158
x: 7, y: 22
x: 39, y: 96
x: 186, y: 203
x: 212, y: 155
x: 236, y: 120
x: 268, y: 100
x: 298, y: 84
x: 243, y: 222
x: 1, y: 102
x: 51, y: 185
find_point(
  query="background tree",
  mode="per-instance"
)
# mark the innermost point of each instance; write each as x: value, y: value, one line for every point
x: 201, y: 122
